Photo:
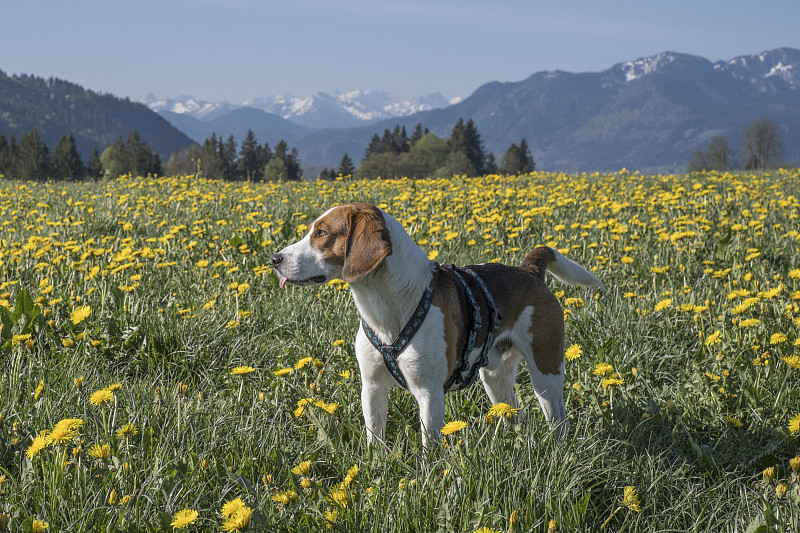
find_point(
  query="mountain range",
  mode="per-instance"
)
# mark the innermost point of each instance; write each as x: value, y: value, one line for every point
x: 647, y: 114
x: 323, y: 110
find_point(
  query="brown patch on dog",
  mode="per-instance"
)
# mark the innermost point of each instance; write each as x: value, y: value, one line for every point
x: 537, y: 260
x: 514, y: 289
x: 353, y: 236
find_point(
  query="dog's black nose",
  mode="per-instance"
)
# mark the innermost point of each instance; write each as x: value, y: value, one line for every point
x: 277, y: 259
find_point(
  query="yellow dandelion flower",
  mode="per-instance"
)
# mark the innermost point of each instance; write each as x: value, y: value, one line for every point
x: 302, y: 469
x: 238, y: 520
x: 184, y: 518
x: 573, y: 352
x: 777, y: 338
x: 733, y: 422
x: 663, y: 304
x: 453, y: 427
x: 750, y: 322
x: 60, y: 435
x: 611, y: 382
x: 630, y: 499
x: 601, y: 369
x: 433, y: 254
x: 714, y: 338
x: 283, y: 371
x: 794, y: 424
x: 338, y: 342
x: 338, y: 495
x: 331, y: 515
x: 242, y: 370
x: 100, y: 451
x: 502, y: 410
x: 39, y: 526
x: 285, y: 497
x: 39, y: 390
x: 20, y: 339
x: 792, y: 360
x: 79, y: 314
x: 230, y: 507
x: 101, y: 397
x: 127, y: 431
x: 38, y: 444
x: 303, y: 362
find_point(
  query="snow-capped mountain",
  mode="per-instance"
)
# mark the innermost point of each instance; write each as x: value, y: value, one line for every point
x: 186, y: 105
x: 322, y: 110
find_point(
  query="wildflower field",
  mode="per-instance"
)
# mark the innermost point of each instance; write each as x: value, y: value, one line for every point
x: 153, y: 377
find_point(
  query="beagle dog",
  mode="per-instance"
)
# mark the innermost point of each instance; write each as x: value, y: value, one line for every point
x: 432, y: 328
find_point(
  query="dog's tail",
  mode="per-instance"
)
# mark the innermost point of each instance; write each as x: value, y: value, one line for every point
x: 544, y: 258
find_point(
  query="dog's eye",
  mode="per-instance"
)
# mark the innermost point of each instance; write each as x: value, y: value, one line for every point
x: 320, y: 233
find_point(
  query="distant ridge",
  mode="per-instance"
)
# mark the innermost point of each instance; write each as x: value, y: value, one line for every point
x: 649, y: 114
x: 56, y: 108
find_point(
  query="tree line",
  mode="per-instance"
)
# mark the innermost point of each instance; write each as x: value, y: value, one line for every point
x: 762, y: 148
x: 394, y: 154
x: 423, y: 154
x: 31, y: 159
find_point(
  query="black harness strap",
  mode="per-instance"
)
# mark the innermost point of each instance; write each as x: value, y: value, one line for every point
x: 464, y: 375
x: 391, y: 352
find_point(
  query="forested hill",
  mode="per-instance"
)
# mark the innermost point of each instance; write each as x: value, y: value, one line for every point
x: 56, y: 108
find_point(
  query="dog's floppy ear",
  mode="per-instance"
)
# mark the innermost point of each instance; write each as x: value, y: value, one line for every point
x: 367, y: 245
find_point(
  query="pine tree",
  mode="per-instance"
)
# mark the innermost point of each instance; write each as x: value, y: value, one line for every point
x: 518, y: 159
x: 293, y: 165
x: 95, y: 167
x: 529, y: 164
x: 8, y: 156
x: 251, y: 158
x: 474, y: 145
x: 67, y: 163
x: 290, y: 168
x: 417, y: 135
x: 346, y: 167
x: 458, y: 160
x: 374, y: 146
x: 33, y: 157
x: 491, y: 164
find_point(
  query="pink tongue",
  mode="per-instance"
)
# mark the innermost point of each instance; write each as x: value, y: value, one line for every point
x: 282, y: 282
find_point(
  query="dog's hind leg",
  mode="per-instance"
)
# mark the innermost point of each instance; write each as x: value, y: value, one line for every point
x: 549, y: 390
x: 498, y: 382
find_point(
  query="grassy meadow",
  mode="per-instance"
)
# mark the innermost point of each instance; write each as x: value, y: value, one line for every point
x: 154, y: 377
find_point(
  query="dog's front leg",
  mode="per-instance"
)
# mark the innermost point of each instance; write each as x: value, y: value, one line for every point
x: 431, y: 413
x: 375, y: 406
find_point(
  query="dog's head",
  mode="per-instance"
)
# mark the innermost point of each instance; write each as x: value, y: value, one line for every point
x: 347, y: 241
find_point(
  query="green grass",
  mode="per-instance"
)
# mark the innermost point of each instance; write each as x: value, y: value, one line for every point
x: 692, y: 427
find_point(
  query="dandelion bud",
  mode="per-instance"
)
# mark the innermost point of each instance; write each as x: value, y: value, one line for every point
x: 769, y: 473
x: 780, y: 490
x: 112, y: 497
x: 795, y: 463
x: 551, y: 525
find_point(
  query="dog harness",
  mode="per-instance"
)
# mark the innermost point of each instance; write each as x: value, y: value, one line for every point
x: 464, y: 375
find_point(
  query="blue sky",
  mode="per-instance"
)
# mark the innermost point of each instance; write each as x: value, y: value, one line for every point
x: 238, y: 49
